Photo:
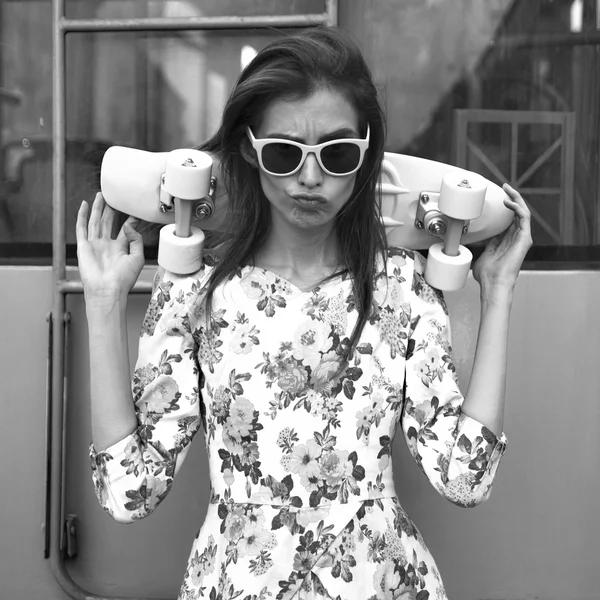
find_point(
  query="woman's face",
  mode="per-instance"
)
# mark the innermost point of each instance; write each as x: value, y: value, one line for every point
x: 310, y: 198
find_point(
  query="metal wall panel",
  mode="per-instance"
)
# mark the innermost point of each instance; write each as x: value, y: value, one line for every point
x: 537, y: 537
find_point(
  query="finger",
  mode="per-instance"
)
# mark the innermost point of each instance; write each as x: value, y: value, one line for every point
x: 511, y: 228
x: 135, y: 240
x: 523, y: 219
x: 515, y: 196
x: 94, y: 230
x: 519, y: 232
x: 81, y: 223
x: 519, y: 207
x: 511, y: 191
x: 132, y: 222
x: 108, y: 219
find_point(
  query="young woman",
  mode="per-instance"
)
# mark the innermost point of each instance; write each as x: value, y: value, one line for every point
x: 298, y: 351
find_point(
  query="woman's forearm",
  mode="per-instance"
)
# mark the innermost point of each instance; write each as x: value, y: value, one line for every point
x: 484, y: 400
x: 113, y: 412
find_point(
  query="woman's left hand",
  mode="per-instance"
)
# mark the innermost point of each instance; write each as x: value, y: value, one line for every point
x: 499, y: 265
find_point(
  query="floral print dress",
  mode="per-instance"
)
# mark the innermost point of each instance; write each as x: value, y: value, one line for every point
x: 302, y: 500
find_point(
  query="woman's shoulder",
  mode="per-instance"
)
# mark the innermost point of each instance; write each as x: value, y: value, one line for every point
x: 177, y: 300
x: 185, y: 286
x: 403, y: 259
x: 407, y: 267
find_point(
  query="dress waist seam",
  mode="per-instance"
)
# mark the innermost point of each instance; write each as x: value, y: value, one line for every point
x: 218, y: 500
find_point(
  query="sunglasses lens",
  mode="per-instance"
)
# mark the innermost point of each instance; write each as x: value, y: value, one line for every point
x: 341, y: 158
x: 281, y: 158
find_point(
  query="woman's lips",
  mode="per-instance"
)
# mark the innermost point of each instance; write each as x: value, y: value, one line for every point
x: 309, y: 199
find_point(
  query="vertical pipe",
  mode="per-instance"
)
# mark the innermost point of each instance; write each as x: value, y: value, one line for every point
x: 331, y: 7
x: 58, y: 143
x: 58, y: 271
x: 4, y: 94
x: 48, y: 442
x: 514, y: 152
x: 596, y: 232
x: 63, y: 456
x: 460, y: 140
x: 568, y: 183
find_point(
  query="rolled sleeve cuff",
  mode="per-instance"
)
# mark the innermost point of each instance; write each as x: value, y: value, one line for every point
x: 482, y: 437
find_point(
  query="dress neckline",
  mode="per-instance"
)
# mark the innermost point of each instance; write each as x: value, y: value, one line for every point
x: 335, y: 277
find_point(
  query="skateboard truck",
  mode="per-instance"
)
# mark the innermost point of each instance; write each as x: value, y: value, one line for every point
x: 446, y: 214
x: 202, y: 209
x: 173, y: 188
x: 444, y: 209
x: 430, y: 218
x: 186, y: 186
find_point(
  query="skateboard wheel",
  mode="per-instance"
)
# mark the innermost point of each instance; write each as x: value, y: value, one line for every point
x: 462, y: 195
x: 187, y: 174
x: 180, y: 255
x: 447, y: 273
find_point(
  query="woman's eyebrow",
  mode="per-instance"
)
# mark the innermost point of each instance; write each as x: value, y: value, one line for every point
x: 343, y: 133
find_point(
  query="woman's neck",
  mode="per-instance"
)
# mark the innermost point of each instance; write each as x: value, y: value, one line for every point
x: 303, y: 257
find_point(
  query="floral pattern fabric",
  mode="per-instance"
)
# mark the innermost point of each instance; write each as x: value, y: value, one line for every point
x: 302, y: 502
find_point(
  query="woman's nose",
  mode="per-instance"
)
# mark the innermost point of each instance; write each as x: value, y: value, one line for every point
x: 310, y: 173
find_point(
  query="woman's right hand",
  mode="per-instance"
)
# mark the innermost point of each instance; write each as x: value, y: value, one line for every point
x: 108, y: 267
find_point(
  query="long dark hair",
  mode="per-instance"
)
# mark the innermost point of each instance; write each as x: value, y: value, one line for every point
x: 294, y: 67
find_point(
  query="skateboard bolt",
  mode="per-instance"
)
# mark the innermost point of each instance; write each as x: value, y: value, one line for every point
x: 437, y: 228
x: 424, y: 198
x: 164, y: 207
x: 465, y: 229
x: 419, y: 224
x: 203, y: 210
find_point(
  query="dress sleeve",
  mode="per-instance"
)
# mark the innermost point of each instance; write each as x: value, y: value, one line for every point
x: 134, y: 475
x: 457, y: 453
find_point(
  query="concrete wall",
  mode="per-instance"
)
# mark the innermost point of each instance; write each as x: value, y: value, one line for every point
x: 538, y: 537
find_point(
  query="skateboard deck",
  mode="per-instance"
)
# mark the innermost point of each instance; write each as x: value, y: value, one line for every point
x: 131, y: 183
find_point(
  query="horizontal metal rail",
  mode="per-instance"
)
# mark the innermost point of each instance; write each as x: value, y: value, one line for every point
x: 525, y: 117
x: 539, y: 40
x: 193, y: 23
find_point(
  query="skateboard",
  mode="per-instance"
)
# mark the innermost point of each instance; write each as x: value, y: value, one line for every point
x: 424, y: 205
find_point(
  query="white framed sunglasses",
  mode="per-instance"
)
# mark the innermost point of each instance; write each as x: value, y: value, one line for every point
x: 281, y: 157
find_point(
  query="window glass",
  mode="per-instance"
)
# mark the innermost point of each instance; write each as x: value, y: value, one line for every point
x: 511, y: 91
x: 508, y: 88
x: 154, y: 91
